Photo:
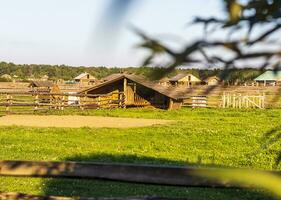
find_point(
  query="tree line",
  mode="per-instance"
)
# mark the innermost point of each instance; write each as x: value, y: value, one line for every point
x: 55, y: 72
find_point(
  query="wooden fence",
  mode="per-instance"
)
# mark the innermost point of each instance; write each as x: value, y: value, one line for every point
x: 243, y: 101
x: 145, y: 174
x: 214, y: 95
x: 32, y: 102
x: 231, y: 100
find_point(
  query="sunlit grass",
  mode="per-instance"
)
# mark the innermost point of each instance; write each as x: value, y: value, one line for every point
x: 206, y: 137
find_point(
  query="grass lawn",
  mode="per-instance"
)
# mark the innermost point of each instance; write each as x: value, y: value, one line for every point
x: 202, y: 137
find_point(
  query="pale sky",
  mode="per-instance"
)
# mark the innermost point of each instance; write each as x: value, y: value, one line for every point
x: 68, y: 31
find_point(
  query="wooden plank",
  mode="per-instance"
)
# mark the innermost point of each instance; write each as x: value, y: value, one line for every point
x: 173, y: 176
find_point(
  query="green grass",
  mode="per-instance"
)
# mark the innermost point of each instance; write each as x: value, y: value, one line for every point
x: 204, y: 137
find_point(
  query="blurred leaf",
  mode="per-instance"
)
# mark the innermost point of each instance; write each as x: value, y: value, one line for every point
x: 234, y: 11
x: 245, y: 178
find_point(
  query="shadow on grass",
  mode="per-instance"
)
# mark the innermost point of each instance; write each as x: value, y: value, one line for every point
x: 103, y: 188
x: 272, y: 137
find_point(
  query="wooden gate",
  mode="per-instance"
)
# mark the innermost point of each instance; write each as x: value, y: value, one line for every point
x: 243, y: 101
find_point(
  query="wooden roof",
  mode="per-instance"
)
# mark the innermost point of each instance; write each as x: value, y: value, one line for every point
x: 269, y: 76
x: 180, y: 76
x: 111, y: 77
x: 80, y: 76
x: 169, y: 91
x: 211, y: 78
x: 41, y: 84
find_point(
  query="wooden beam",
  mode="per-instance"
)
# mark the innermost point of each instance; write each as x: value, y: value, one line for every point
x: 171, y: 102
x: 172, y: 176
x: 125, y: 82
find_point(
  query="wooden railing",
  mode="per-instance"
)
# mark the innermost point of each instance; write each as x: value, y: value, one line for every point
x: 145, y: 174
x: 28, y: 101
x: 243, y: 101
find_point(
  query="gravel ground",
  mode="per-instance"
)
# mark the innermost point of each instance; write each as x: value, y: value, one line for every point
x: 77, y: 121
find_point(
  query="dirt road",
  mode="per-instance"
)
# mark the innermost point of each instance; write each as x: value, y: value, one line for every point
x: 77, y: 121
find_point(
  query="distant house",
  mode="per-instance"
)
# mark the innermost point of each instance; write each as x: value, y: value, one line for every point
x: 85, y: 78
x: 213, y: 80
x: 41, y: 86
x: 138, y: 92
x: 44, y: 78
x: 45, y: 87
x: 269, y: 77
x: 184, y: 80
x: 7, y: 77
x: 164, y: 81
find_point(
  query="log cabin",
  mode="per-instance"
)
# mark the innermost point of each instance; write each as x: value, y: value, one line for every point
x: 137, y: 92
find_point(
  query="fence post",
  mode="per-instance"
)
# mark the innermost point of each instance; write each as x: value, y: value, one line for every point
x: 62, y: 103
x: 7, y: 103
x: 36, y: 102
x: 263, y: 100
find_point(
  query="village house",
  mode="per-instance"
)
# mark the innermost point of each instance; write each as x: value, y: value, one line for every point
x: 85, y: 78
x: 213, y: 80
x: 41, y: 86
x: 137, y: 91
x: 7, y: 77
x: 184, y: 80
x: 165, y: 81
x: 269, y: 78
x: 44, y: 78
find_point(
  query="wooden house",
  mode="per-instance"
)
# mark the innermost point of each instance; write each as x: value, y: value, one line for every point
x: 44, y: 78
x: 165, y: 81
x: 213, y: 80
x: 42, y: 88
x: 6, y: 77
x: 85, y: 78
x: 137, y: 91
x: 184, y: 80
x: 269, y: 78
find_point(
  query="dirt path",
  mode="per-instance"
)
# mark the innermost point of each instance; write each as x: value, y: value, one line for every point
x: 77, y: 121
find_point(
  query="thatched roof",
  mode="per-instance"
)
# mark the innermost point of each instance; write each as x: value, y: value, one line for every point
x: 172, y: 92
x: 41, y: 84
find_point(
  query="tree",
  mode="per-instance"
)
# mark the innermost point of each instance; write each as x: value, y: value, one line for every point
x: 240, y: 16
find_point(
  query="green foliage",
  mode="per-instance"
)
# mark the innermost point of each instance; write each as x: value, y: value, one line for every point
x: 203, y: 137
x: 68, y: 73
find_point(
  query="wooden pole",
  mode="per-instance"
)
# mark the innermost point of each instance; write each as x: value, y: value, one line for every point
x: 36, y: 101
x: 148, y: 174
x: 125, y: 91
x: 223, y: 100
x: 63, y: 101
x: 8, y: 103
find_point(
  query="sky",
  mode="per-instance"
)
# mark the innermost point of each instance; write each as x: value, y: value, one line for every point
x: 69, y: 31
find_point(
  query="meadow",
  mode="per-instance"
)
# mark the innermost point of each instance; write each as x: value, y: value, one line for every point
x: 200, y: 137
